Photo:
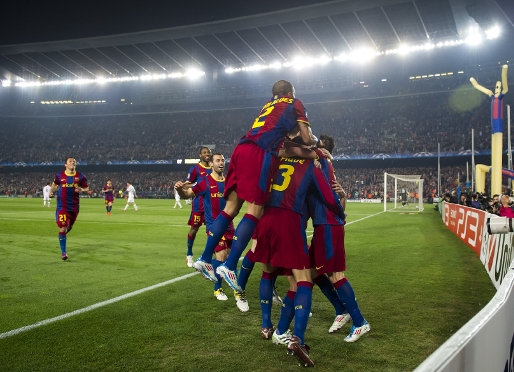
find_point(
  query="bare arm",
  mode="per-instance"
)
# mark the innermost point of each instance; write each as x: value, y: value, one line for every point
x: 306, y: 133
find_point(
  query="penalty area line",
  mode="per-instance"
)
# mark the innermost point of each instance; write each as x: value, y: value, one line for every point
x: 92, y: 307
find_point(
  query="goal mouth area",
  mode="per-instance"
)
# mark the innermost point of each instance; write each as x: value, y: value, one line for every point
x: 403, y: 193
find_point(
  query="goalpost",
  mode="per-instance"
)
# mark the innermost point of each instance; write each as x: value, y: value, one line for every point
x: 403, y: 194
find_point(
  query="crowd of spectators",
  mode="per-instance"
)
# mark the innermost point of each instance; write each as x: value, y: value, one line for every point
x: 359, y: 183
x: 404, y: 124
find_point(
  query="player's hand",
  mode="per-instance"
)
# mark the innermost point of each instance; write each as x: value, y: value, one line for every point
x: 317, y: 164
x: 326, y: 153
x: 180, y: 184
x: 78, y: 189
x: 338, y: 189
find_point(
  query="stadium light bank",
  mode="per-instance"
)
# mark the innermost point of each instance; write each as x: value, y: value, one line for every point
x: 190, y: 74
x: 365, y: 54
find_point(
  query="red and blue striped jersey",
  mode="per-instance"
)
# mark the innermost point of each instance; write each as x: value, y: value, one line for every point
x: 196, y: 172
x: 318, y: 212
x: 212, y: 192
x: 294, y: 179
x: 497, y: 113
x: 277, y: 118
x: 109, y: 193
x: 67, y: 198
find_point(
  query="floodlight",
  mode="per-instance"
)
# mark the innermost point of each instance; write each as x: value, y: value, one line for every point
x: 493, y: 32
x: 194, y: 73
x: 474, y: 40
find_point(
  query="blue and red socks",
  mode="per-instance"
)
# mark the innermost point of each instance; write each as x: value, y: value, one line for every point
x: 330, y: 293
x: 218, y: 228
x: 286, y: 313
x: 215, y: 265
x: 347, y: 296
x: 266, y: 297
x: 190, y: 242
x: 62, y: 241
x: 302, y: 309
x: 242, y: 237
x: 246, y: 269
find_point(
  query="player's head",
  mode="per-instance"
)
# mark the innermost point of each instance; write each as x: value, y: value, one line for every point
x: 48, y: 183
x: 283, y: 88
x: 205, y: 155
x: 109, y: 182
x: 128, y: 184
x: 327, y: 142
x: 70, y: 164
x: 218, y: 162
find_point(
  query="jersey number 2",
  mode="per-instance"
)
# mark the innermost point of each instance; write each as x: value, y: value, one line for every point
x: 259, y: 122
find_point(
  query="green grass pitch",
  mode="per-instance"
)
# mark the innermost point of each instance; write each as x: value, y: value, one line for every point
x: 415, y: 282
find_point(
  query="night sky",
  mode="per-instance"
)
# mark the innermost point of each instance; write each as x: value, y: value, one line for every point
x: 31, y: 21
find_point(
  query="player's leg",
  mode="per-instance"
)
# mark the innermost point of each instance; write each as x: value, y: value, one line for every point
x: 203, y: 263
x: 247, y: 266
x: 342, y: 316
x: 109, y: 208
x: 266, y: 299
x: 282, y: 334
x: 191, y: 236
x: 62, y: 221
x: 347, y: 295
x: 220, y: 257
x: 135, y: 206
x: 302, y: 304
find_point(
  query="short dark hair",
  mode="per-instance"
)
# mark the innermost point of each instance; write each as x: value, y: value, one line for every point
x: 203, y: 147
x: 69, y: 157
x: 217, y: 153
x: 282, y: 87
x: 328, y: 142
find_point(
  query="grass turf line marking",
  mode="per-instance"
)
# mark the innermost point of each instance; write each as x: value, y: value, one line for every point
x: 92, y: 307
x: 16, y: 331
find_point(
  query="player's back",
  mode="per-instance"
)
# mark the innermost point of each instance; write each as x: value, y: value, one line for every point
x: 277, y: 118
x: 294, y: 179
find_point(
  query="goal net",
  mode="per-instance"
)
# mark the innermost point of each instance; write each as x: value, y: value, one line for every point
x: 403, y: 193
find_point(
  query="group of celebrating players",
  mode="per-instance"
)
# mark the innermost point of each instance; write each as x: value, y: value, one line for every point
x: 284, y: 174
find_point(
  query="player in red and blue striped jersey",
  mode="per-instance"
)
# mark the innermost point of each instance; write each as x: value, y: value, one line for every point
x: 329, y: 256
x: 282, y: 242
x: 249, y: 175
x: 108, y: 191
x: 69, y: 184
x: 196, y: 219
x: 211, y: 188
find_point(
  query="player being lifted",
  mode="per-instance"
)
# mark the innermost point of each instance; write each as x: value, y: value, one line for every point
x: 196, y: 219
x: 211, y: 188
x: 70, y: 184
x: 248, y: 176
x: 108, y: 191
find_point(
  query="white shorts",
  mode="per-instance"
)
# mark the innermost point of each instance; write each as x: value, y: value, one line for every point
x: 130, y: 199
x: 46, y: 197
x: 177, y: 198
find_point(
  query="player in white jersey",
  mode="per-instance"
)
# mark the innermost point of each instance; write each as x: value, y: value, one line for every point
x: 131, y: 195
x: 46, y: 194
x: 177, y: 199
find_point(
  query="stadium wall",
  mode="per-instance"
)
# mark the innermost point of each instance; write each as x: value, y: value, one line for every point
x: 486, y: 342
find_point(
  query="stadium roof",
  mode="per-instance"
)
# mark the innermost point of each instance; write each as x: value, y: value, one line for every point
x: 328, y: 28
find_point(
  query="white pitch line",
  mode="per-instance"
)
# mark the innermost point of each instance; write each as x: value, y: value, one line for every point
x: 92, y: 307
x: 115, y: 299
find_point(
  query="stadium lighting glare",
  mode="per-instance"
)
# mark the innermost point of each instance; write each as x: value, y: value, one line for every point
x: 493, y: 32
x: 194, y: 73
x: 363, y: 55
x: 474, y: 40
x: 404, y: 49
x: 6, y: 83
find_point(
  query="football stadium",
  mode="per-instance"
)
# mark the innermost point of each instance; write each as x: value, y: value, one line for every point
x: 279, y: 150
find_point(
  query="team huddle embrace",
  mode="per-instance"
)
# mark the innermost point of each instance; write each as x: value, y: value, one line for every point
x: 283, y: 173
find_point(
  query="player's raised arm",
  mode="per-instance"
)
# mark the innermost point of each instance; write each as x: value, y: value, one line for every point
x: 306, y: 133
x: 184, y: 190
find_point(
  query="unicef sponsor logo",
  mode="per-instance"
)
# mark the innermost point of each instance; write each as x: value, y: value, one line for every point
x: 423, y: 154
x: 133, y: 162
x: 380, y: 156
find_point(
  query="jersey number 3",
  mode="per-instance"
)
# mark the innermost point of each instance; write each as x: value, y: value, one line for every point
x: 287, y: 173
